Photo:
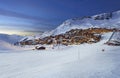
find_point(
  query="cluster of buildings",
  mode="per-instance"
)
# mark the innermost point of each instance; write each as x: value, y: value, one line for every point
x: 74, y: 36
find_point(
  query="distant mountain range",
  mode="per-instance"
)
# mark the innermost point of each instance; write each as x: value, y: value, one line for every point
x: 10, y: 38
x: 6, y: 41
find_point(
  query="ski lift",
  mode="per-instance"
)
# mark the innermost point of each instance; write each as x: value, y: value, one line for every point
x: 114, y: 39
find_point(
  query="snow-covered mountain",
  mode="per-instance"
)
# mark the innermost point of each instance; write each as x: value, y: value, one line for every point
x: 10, y: 38
x: 104, y: 20
x: 6, y: 41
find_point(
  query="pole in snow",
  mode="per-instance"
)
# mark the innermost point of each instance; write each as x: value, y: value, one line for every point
x: 78, y: 54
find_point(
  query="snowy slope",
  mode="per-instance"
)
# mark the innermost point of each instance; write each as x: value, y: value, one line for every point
x: 105, y: 20
x: 77, y: 61
x: 7, y: 41
x: 10, y: 38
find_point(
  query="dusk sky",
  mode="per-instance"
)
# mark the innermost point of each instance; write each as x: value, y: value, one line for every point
x: 23, y: 16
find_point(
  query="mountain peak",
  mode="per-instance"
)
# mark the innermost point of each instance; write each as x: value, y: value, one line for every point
x: 104, y: 20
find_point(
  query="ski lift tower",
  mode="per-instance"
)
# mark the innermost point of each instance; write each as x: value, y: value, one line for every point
x: 114, y: 38
x: 59, y: 42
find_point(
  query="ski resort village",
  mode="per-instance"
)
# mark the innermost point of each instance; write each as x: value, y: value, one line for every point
x: 87, y: 47
x: 79, y: 47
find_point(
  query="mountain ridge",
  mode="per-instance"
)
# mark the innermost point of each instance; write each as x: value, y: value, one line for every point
x: 104, y: 20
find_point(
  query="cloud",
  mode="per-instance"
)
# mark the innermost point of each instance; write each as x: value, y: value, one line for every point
x: 25, y: 27
x: 9, y: 13
x: 19, y: 15
x: 36, y: 24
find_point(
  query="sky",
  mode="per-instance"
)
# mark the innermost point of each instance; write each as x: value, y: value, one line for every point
x: 36, y: 16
